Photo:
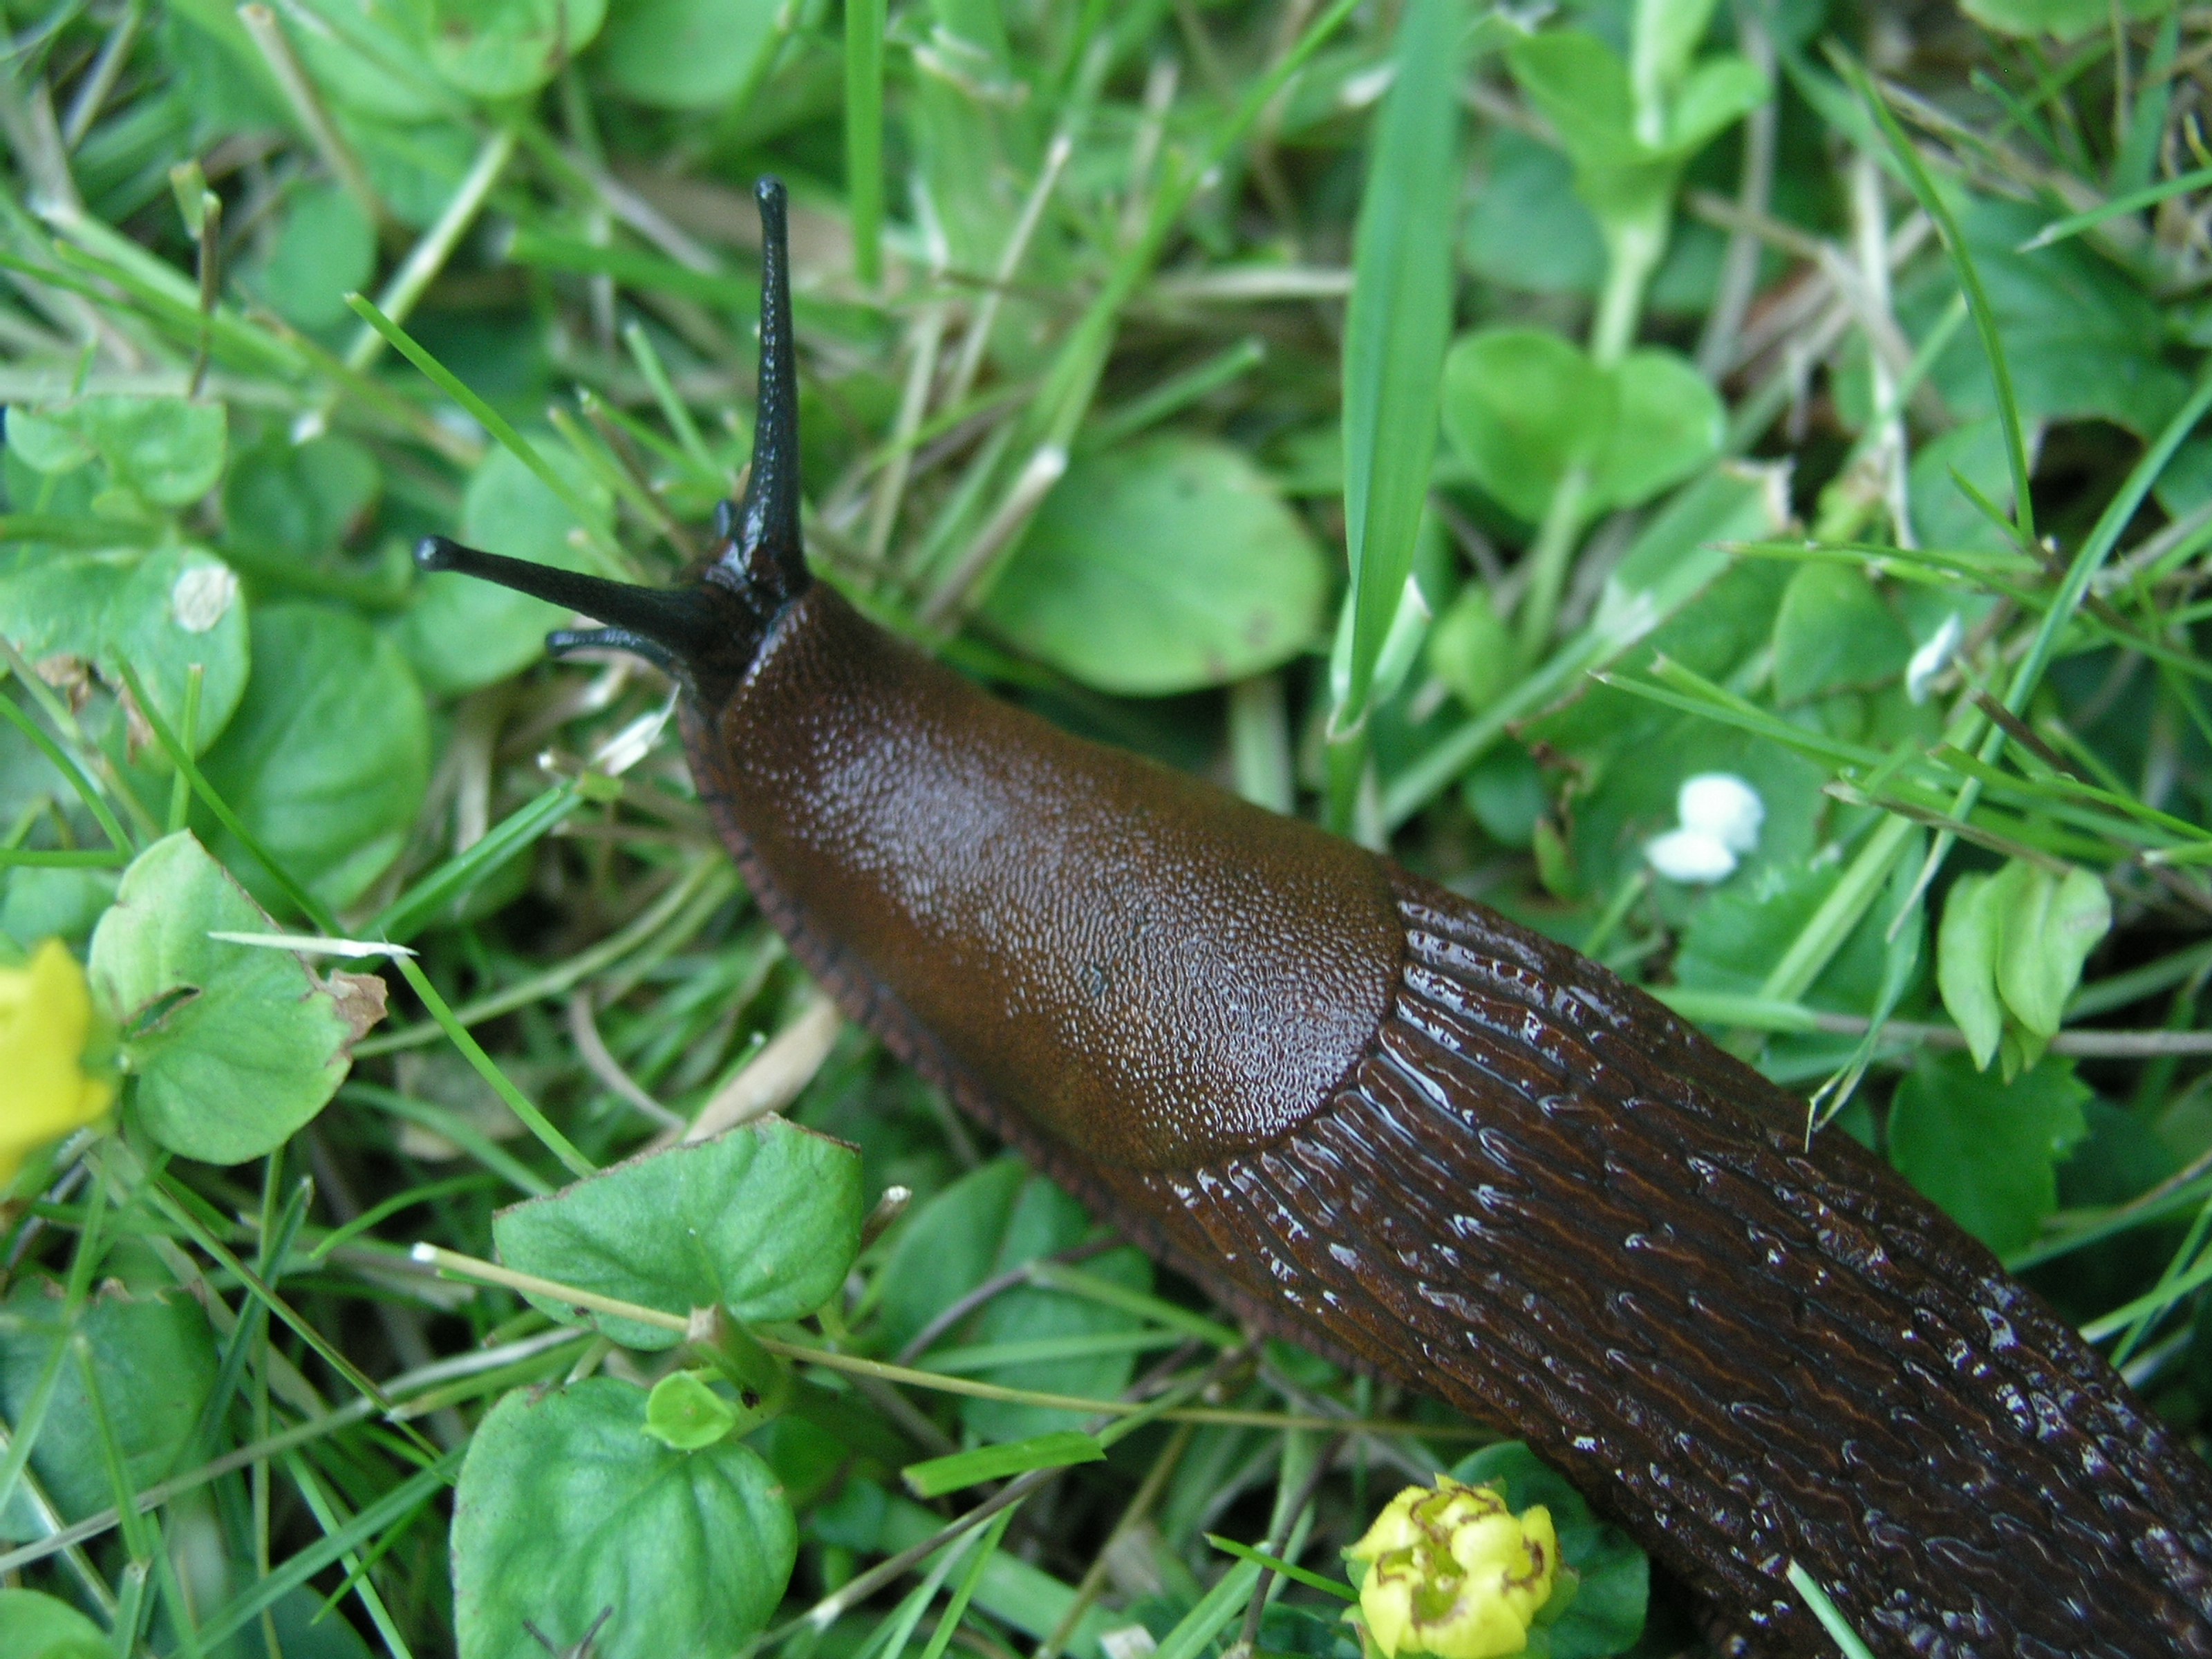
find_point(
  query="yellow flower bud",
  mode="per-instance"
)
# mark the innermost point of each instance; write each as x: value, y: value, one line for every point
x: 46, y: 1019
x: 1454, y: 1573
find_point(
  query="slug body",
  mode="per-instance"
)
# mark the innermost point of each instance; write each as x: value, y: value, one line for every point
x: 1382, y: 1121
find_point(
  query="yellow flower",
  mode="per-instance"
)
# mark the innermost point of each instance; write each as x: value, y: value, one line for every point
x: 1454, y: 1572
x: 45, y: 1018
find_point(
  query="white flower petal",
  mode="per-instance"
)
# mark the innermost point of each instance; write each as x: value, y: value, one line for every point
x: 1933, y: 658
x: 1690, y: 855
x: 1722, y: 805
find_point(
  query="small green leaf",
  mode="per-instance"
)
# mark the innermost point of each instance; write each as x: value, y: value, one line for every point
x: 1984, y: 1149
x: 503, y: 48
x: 2065, y: 19
x: 328, y: 758
x: 231, y: 1046
x: 1667, y: 422
x: 1833, y: 631
x: 2048, y: 926
x: 1470, y: 649
x: 325, y: 248
x: 687, y: 54
x: 1967, y: 962
x: 161, y: 612
x: 1718, y: 94
x: 1606, y: 1615
x: 165, y: 451
x: 568, y: 1510
x: 35, y: 1626
x: 154, y: 1357
x: 940, y: 1475
x: 763, y: 1221
x: 300, y: 499
x: 683, y: 1413
x: 1523, y: 406
x: 462, y: 633
x: 1162, y: 567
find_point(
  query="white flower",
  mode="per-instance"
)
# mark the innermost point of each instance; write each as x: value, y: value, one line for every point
x: 1721, y: 805
x: 1690, y: 855
x: 1932, y: 659
x: 1721, y: 816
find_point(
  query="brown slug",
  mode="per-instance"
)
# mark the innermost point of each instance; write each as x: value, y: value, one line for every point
x: 1380, y: 1120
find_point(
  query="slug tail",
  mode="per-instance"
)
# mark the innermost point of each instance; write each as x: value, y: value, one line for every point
x: 764, y: 553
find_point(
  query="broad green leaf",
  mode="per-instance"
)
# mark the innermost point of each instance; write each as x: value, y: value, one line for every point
x: 1833, y: 631
x: 2047, y: 927
x: 945, y: 1248
x: 1583, y: 89
x: 1162, y: 567
x: 36, y: 1626
x: 1470, y: 649
x: 1522, y: 406
x: 231, y: 1048
x: 1943, y: 514
x: 684, y: 1414
x: 2066, y: 20
x: 764, y: 1221
x: 154, y: 1356
x: 1668, y: 424
x: 1397, y: 324
x: 1983, y: 1150
x: 1606, y: 1614
x: 567, y: 1509
x: 36, y: 904
x: 1718, y: 94
x: 462, y: 633
x: 1736, y: 936
x: 160, y: 452
x: 1043, y: 1219
x: 1967, y: 962
x: 325, y: 249
x: 302, y: 499
x: 1505, y: 792
x: 160, y: 612
x: 503, y: 48
x: 1525, y: 228
x: 327, y: 759
x: 2081, y: 339
x: 686, y: 54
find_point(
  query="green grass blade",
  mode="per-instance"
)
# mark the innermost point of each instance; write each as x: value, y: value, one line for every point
x: 1396, y: 327
x: 1839, y: 1628
x: 864, y: 136
x: 940, y: 1475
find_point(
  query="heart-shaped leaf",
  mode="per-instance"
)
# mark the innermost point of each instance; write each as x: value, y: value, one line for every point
x: 231, y: 1046
x: 763, y: 1221
x: 1523, y: 406
x: 570, y: 1516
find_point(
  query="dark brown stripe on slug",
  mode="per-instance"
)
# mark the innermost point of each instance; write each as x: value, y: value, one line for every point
x: 1539, y: 1197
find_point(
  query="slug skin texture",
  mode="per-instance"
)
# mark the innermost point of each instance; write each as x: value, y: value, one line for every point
x: 1380, y: 1120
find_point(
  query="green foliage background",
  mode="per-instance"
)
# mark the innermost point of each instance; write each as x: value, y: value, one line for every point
x: 1461, y: 431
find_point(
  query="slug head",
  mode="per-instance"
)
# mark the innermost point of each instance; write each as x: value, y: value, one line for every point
x: 706, y: 632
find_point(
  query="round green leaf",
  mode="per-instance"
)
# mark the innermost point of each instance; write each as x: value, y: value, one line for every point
x: 160, y: 612
x: 504, y: 48
x: 1667, y: 423
x: 568, y: 1510
x: 1162, y: 567
x: 764, y: 1221
x: 328, y: 757
x: 1966, y: 963
x: 1605, y: 1612
x: 687, y: 54
x: 462, y: 633
x: 1984, y: 1149
x: 35, y: 1626
x: 325, y: 248
x: 1523, y: 406
x: 154, y: 1357
x: 167, y: 452
x: 302, y: 499
x: 1833, y: 631
x: 1470, y: 649
x: 2047, y: 927
x: 231, y: 1046
x: 684, y: 1414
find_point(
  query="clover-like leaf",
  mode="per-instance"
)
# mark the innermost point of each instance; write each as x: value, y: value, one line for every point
x: 763, y: 1220
x: 231, y: 1048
